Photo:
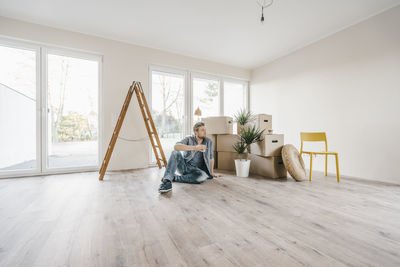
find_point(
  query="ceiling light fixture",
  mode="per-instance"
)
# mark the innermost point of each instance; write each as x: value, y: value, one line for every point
x: 264, y: 4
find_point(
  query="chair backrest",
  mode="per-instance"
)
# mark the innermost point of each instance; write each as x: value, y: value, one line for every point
x: 313, y: 137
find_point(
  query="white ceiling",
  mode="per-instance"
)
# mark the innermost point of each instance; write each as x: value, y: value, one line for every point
x: 225, y: 31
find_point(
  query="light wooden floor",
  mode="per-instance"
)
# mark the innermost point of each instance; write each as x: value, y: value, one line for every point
x: 76, y: 220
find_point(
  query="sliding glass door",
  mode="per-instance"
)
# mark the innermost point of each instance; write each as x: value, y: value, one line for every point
x: 19, y: 102
x: 49, y: 109
x: 72, y: 111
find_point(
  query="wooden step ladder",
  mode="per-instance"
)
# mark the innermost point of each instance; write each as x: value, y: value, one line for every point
x: 148, y: 121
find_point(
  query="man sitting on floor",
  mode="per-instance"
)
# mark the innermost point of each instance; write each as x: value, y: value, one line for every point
x: 197, y: 163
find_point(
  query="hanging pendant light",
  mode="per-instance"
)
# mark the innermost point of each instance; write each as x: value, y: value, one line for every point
x: 197, y: 112
x: 264, y: 4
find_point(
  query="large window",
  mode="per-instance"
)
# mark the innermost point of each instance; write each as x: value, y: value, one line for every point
x: 206, y: 93
x: 235, y: 97
x: 49, y: 109
x: 179, y: 98
x: 168, y: 108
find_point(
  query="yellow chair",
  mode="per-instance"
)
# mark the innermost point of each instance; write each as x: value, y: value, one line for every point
x: 319, y: 137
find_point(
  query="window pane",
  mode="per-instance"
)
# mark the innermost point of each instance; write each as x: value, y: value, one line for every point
x: 168, y: 107
x: 72, y: 112
x: 234, y: 98
x: 17, y: 109
x: 205, y: 97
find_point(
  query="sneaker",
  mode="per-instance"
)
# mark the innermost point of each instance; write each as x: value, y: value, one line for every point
x: 165, y: 186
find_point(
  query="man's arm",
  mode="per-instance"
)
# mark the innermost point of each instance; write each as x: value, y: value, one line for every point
x: 182, y: 147
x: 214, y: 174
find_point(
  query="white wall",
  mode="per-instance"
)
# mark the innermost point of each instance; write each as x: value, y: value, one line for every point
x: 347, y: 85
x: 122, y: 64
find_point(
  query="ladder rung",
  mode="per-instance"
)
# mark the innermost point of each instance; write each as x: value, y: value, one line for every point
x: 141, y: 97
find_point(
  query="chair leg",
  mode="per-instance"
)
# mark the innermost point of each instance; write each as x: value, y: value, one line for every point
x: 326, y: 165
x: 337, y: 167
x: 310, y: 166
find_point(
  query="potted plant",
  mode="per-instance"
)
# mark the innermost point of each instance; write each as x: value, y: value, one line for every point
x: 243, y: 117
x: 242, y: 166
x: 247, y: 137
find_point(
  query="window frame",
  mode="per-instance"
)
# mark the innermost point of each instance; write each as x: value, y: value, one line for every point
x: 149, y: 96
x: 79, y: 55
x: 41, y: 104
x: 199, y: 75
x: 246, y: 88
x: 189, y: 75
x: 31, y: 47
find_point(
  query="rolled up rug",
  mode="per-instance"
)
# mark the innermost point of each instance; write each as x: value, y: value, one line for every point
x: 293, y: 162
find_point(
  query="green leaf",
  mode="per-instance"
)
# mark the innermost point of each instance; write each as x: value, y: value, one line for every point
x: 240, y: 147
x: 251, y: 135
x: 243, y: 117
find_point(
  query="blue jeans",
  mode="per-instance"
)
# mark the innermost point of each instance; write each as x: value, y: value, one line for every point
x: 188, y: 173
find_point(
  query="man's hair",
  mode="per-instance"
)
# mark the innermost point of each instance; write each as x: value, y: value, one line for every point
x: 197, y: 126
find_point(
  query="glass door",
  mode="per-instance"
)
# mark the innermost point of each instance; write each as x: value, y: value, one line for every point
x: 19, y: 109
x: 49, y: 109
x: 72, y: 129
x: 168, y: 108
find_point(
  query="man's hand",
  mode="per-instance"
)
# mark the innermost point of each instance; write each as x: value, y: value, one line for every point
x: 216, y: 175
x: 201, y: 148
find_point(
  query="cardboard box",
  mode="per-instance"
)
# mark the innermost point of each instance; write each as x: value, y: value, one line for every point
x: 215, y: 159
x: 225, y: 142
x: 271, y: 167
x: 240, y: 128
x: 263, y: 121
x: 226, y: 160
x: 270, y: 146
x: 218, y: 125
x: 213, y: 137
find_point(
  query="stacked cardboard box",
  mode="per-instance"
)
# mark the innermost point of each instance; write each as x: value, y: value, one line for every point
x: 225, y: 142
x: 271, y: 167
x: 218, y: 125
x: 270, y: 146
x: 226, y: 160
x: 226, y: 153
x: 265, y: 155
x: 264, y: 122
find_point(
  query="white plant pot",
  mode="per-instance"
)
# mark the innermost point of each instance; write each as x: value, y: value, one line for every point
x: 242, y: 167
